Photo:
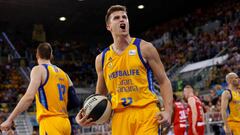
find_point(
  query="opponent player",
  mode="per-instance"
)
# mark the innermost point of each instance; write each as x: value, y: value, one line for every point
x: 125, y: 72
x: 179, y: 117
x: 50, y: 84
x: 231, y: 104
x: 195, y: 112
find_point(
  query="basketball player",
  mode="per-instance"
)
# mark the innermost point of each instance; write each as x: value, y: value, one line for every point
x: 52, y: 88
x: 124, y: 71
x: 195, y: 112
x: 231, y: 104
x: 179, y: 117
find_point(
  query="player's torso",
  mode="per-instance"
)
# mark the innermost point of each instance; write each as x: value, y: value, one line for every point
x: 128, y: 80
x: 234, y: 107
x: 51, y: 98
x: 180, y: 116
x: 199, y: 111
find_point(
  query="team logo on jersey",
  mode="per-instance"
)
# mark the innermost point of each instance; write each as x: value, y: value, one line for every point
x: 110, y: 59
x: 110, y: 65
x: 132, y: 52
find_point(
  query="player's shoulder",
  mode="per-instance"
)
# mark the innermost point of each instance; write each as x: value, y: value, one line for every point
x: 100, y: 56
x: 37, y: 68
x: 98, y: 60
x: 145, y: 44
x: 227, y: 93
x: 147, y: 49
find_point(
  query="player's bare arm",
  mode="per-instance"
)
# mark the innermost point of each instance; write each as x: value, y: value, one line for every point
x: 27, y: 99
x: 224, y: 104
x: 152, y: 57
x: 101, y: 86
x: 192, y: 104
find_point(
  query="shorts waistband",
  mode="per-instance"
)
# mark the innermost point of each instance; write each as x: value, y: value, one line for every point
x: 150, y: 105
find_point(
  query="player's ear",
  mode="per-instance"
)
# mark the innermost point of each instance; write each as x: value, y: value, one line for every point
x: 108, y: 27
x: 52, y: 57
x: 37, y: 55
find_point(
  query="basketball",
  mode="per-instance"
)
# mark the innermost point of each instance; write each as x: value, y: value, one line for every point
x: 98, y: 107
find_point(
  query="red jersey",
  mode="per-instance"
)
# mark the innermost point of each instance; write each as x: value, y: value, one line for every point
x: 200, y: 122
x: 199, y: 111
x: 180, y: 119
x: 180, y: 116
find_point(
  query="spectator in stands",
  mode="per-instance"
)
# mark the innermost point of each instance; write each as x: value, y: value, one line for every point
x: 38, y: 34
x: 219, y: 90
x: 214, y: 97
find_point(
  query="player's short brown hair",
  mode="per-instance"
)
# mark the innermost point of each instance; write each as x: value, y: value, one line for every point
x: 44, y: 51
x: 114, y: 8
x: 188, y: 86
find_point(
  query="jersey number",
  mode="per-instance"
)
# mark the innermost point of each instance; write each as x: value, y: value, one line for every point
x: 126, y: 101
x: 61, y: 90
x: 182, y: 115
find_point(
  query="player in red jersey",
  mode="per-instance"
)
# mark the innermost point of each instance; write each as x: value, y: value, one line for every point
x: 195, y: 112
x: 179, y: 117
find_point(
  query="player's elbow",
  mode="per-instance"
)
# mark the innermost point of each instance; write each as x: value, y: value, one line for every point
x: 165, y: 82
x: 28, y: 98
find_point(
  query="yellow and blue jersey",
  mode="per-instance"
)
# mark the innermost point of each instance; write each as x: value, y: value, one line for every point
x: 234, y: 107
x: 128, y: 78
x: 52, y: 95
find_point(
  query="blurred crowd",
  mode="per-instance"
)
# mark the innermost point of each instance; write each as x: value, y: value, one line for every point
x: 198, y: 36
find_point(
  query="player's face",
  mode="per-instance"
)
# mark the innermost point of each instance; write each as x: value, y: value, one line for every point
x: 185, y: 95
x: 118, y: 23
x: 235, y: 81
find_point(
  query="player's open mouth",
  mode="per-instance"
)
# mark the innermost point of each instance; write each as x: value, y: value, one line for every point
x: 122, y: 26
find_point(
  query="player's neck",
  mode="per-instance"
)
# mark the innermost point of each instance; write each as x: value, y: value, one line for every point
x: 121, y: 42
x: 232, y: 88
x: 43, y: 61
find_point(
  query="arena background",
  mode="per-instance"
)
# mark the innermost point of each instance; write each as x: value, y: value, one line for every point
x: 198, y: 42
